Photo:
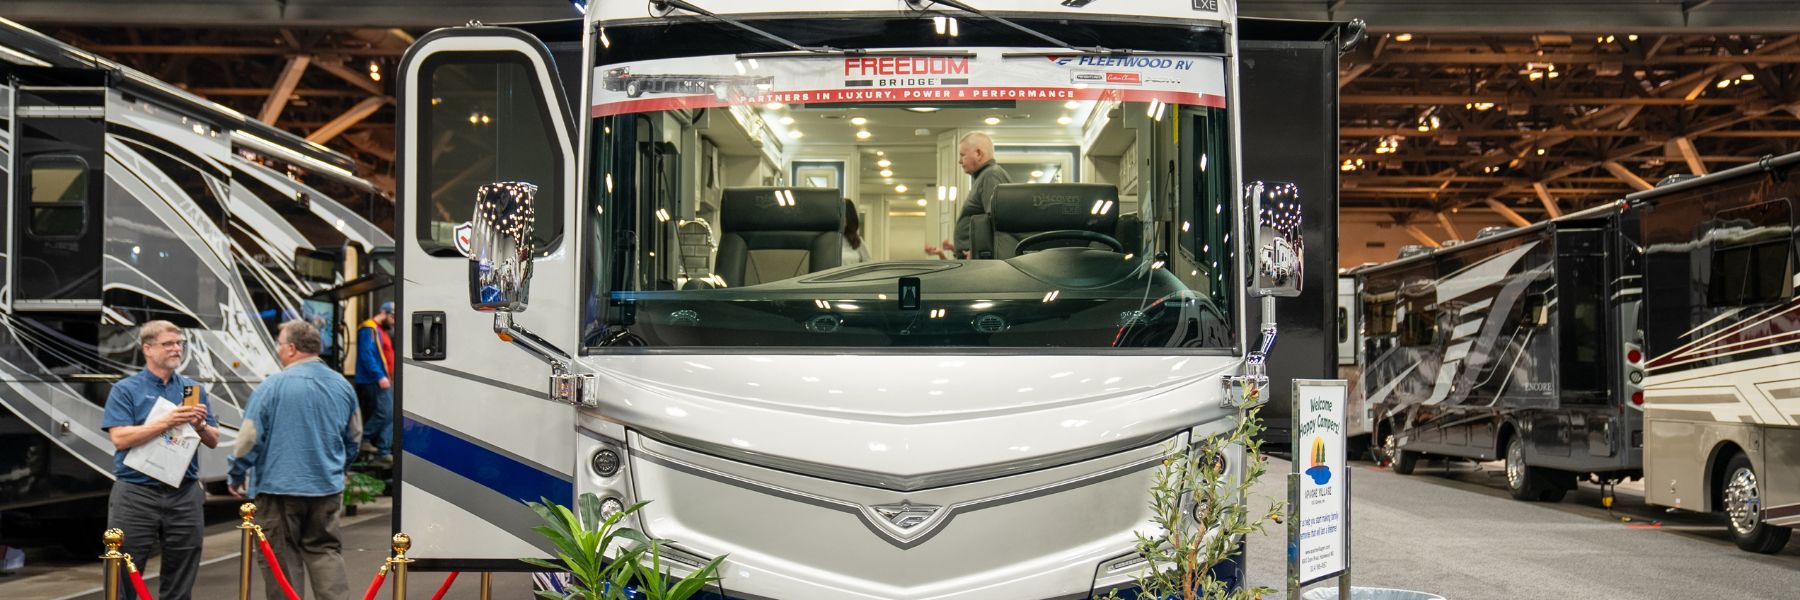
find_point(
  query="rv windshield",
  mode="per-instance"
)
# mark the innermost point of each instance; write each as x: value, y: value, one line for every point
x: 973, y: 200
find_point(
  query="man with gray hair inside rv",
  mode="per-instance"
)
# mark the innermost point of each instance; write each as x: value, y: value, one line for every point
x: 301, y: 429
x: 165, y: 505
x: 975, y: 154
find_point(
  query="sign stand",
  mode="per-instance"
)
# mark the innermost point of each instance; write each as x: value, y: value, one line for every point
x: 1318, y: 510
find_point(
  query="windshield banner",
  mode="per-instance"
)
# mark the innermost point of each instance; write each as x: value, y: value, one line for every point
x: 983, y: 76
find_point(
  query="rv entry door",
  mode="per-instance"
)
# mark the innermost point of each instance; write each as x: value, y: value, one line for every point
x: 54, y: 220
x: 478, y: 435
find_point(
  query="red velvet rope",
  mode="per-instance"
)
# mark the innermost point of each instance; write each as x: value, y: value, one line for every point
x: 375, y: 586
x: 449, y: 579
x: 137, y: 582
x: 275, y: 567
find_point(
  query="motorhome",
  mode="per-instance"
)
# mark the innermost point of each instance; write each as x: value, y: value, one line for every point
x: 659, y: 296
x: 127, y: 200
x: 1719, y: 334
x: 1502, y: 348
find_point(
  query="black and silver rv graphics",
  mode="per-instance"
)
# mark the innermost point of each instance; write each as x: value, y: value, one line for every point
x: 125, y: 201
x: 1500, y: 348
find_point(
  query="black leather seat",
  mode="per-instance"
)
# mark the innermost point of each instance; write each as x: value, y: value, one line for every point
x: 771, y: 234
x: 1021, y: 210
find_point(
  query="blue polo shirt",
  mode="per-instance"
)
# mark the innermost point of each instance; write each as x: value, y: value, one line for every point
x: 130, y: 402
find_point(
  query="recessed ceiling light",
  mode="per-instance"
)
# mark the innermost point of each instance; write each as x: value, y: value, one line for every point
x: 881, y: 153
x: 992, y: 120
x: 900, y: 188
x: 884, y: 163
x: 787, y: 120
x: 858, y: 121
x: 923, y: 109
x: 862, y: 135
x: 922, y: 202
x: 773, y: 106
x: 796, y: 134
x: 1037, y: 173
x: 1071, y: 105
x: 887, y: 173
x: 1064, y: 120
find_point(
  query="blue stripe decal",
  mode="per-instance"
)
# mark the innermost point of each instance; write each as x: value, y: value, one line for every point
x: 509, y: 477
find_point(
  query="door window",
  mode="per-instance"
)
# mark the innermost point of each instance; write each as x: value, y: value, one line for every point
x: 59, y: 195
x: 483, y: 119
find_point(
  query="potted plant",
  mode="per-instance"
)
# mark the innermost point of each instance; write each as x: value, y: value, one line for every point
x: 361, y: 488
x: 1201, y: 519
x: 583, y: 539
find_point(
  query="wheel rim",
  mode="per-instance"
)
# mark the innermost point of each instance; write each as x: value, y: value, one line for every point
x: 1743, y: 502
x: 1515, y: 464
x: 1387, y: 447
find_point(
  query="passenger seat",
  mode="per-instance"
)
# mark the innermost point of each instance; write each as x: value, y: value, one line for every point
x: 1021, y: 210
x: 772, y: 234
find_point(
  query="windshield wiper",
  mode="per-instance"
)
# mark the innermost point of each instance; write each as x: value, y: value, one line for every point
x: 1102, y: 50
x: 669, y: 6
x: 796, y: 50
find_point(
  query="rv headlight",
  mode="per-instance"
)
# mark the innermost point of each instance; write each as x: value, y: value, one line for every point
x: 609, y: 507
x: 605, y: 463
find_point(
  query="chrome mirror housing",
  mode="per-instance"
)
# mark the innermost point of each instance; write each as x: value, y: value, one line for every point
x: 500, y: 247
x: 1277, y: 254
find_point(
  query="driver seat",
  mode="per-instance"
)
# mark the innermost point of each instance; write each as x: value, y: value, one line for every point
x: 771, y: 234
x: 1021, y: 210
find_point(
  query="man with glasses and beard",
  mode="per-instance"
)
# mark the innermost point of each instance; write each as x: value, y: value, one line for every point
x: 150, y: 511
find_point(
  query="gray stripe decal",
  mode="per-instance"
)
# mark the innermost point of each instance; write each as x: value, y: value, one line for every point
x: 542, y: 394
x: 1697, y: 399
x: 479, y: 442
x: 479, y: 500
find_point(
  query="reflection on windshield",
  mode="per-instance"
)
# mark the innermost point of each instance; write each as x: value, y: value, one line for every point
x: 1066, y: 222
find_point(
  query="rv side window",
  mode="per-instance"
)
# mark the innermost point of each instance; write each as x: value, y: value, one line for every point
x: 486, y: 122
x: 59, y: 195
x: 1752, y: 255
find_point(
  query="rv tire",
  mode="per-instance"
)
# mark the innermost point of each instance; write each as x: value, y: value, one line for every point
x: 1405, y: 461
x: 1528, y: 483
x: 1740, y: 493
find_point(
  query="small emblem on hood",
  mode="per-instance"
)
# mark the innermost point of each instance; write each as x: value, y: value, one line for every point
x: 906, y: 515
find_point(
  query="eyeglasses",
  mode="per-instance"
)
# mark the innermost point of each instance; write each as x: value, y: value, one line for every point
x: 169, y: 345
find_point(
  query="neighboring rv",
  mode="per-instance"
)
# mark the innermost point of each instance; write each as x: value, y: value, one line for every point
x: 1720, y: 326
x: 897, y: 429
x: 1359, y: 415
x: 128, y: 200
x: 1501, y: 348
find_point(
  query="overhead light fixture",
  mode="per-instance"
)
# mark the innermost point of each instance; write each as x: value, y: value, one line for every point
x: 923, y: 109
x: 884, y: 163
x: 991, y: 120
x: 1064, y: 120
x: 787, y: 120
x: 796, y: 134
x: 881, y: 153
x: 1071, y: 105
x: 922, y: 202
x: 863, y: 134
x: 773, y: 106
x: 887, y: 173
x: 1035, y: 174
x: 1403, y: 37
x: 858, y: 121
x: 900, y: 188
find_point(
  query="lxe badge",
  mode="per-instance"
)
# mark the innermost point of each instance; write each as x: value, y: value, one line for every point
x: 1209, y: 5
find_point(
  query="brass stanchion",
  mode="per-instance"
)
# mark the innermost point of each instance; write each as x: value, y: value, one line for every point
x: 402, y: 543
x: 111, y: 559
x: 248, y: 512
x: 487, y: 585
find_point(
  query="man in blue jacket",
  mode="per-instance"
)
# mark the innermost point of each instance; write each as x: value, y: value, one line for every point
x: 374, y: 384
x: 299, y: 435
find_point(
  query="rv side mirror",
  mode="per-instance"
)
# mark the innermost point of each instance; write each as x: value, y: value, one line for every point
x: 500, y: 247
x: 1275, y: 208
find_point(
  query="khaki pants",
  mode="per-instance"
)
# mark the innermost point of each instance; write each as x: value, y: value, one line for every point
x: 304, y: 534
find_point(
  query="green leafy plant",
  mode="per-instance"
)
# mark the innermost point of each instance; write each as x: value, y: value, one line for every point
x: 362, y: 488
x: 1201, y: 517
x: 583, y: 539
